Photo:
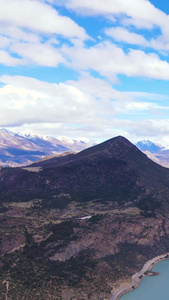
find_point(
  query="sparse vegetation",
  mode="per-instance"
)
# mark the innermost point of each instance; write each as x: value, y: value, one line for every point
x: 50, y: 250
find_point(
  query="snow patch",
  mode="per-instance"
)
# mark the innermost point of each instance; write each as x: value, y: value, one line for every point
x: 65, y: 139
x: 30, y: 134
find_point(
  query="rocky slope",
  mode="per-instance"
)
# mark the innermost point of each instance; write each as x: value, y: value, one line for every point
x: 84, y: 224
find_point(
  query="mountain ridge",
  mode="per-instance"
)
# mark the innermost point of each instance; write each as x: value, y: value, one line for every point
x: 20, y: 149
x: 26, y: 147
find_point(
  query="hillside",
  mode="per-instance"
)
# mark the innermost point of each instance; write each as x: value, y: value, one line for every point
x: 84, y: 224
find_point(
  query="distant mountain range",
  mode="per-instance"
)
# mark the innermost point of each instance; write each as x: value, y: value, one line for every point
x: 155, y: 151
x: 26, y: 147
x: 146, y: 145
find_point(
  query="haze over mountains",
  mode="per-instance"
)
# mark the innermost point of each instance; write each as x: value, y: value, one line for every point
x: 23, y: 148
x: 83, y: 224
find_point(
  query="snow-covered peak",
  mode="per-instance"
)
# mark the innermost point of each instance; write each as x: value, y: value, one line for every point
x: 149, y: 143
x: 65, y: 139
x: 30, y: 134
x: 7, y: 131
x: 146, y: 145
x: 145, y: 142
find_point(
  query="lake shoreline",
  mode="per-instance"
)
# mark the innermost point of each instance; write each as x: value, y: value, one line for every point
x: 137, y: 278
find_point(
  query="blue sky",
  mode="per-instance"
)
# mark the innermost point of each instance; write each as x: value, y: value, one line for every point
x: 85, y: 69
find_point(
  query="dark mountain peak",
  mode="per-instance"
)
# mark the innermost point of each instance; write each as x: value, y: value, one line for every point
x: 115, y: 171
x: 119, y: 138
x: 110, y: 148
x: 119, y: 142
x: 115, y: 147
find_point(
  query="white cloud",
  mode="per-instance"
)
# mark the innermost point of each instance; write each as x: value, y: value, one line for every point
x: 30, y: 30
x: 40, y: 54
x: 120, y: 34
x: 99, y: 88
x: 8, y: 60
x: 39, y: 17
x: 33, y: 32
x: 140, y: 13
x: 123, y: 35
x: 153, y: 129
x: 13, y: 34
x: 24, y: 100
x: 89, y: 108
x: 109, y: 60
x: 147, y: 96
x: 30, y: 33
x: 139, y: 107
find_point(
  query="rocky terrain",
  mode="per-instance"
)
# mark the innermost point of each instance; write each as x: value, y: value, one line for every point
x: 83, y: 225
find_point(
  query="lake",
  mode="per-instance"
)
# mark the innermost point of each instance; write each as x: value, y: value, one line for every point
x: 152, y: 287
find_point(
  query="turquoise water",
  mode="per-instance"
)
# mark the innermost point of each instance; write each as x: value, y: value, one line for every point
x: 152, y: 288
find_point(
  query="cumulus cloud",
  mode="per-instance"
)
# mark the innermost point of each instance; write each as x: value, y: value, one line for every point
x: 32, y: 31
x: 24, y: 100
x: 121, y: 34
x: 99, y: 88
x: 12, y: 34
x: 153, y: 129
x: 140, y: 13
x: 108, y: 59
x: 38, y: 53
x: 39, y: 17
x: 8, y: 60
x: 88, y: 107
x: 35, y: 39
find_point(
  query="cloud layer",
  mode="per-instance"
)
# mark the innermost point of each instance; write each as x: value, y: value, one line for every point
x: 89, y: 107
x: 74, y: 62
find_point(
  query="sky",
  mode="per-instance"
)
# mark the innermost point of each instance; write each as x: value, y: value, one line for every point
x: 88, y: 69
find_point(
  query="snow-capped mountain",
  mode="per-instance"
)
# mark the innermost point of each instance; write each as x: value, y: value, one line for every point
x: 25, y: 147
x: 8, y: 131
x: 30, y: 134
x: 155, y: 152
x: 146, y: 145
x: 66, y: 140
x: 55, y: 145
